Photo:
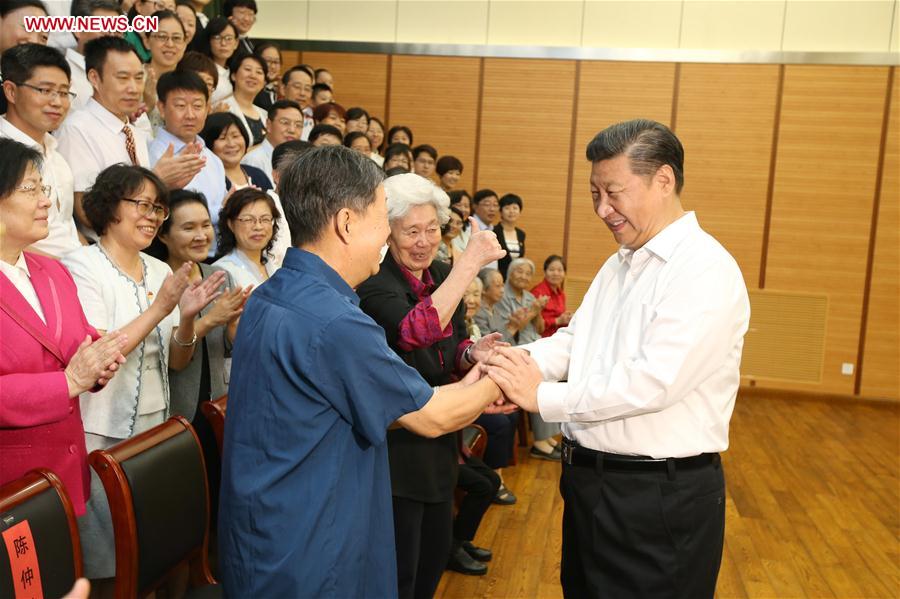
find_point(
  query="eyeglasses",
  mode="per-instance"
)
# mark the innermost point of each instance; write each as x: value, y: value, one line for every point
x: 223, y: 39
x: 289, y: 123
x: 33, y: 189
x: 51, y: 94
x: 165, y: 38
x: 251, y: 221
x: 149, y: 209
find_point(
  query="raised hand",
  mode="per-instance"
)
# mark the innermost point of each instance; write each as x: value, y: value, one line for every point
x: 517, y: 375
x: 197, y: 296
x: 177, y: 170
x: 483, y: 248
x: 228, y: 307
x: 95, y: 362
x: 172, y: 288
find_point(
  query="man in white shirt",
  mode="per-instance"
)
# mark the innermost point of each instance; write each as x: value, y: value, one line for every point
x: 284, y: 123
x: 100, y: 134
x: 282, y: 156
x: 75, y: 55
x: 297, y: 83
x: 644, y: 380
x: 37, y: 90
x: 485, y: 206
x: 183, y: 103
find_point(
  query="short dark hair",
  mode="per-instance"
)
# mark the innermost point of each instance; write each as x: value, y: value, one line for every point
x: 321, y: 87
x: 647, y: 144
x: 96, y: 51
x: 168, y: 15
x: 216, y: 123
x: 396, y: 149
x: 229, y: 6
x: 554, y: 258
x: 446, y: 226
x: 321, y: 111
x: 199, y: 63
x: 283, y: 105
x: 232, y: 209
x: 511, y: 198
x: 19, y: 62
x: 317, y: 71
x: 394, y: 171
x: 85, y: 8
x: 16, y: 158
x: 261, y: 47
x: 114, y: 184
x: 320, y: 130
x: 287, y: 151
x: 425, y: 148
x: 375, y: 119
x: 238, y: 58
x: 397, y: 128
x: 445, y: 164
x: 356, y: 113
x: 180, y: 80
x: 7, y: 6
x: 298, y: 68
x: 353, y: 136
x: 177, y: 197
x: 481, y: 194
x: 456, y: 197
x: 320, y: 183
x: 215, y: 27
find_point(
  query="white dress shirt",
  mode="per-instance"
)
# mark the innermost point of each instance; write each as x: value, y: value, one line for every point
x: 242, y: 270
x: 55, y: 172
x: 91, y: 139
x: 20, y: 276
x: 651, y: 357
x: 210, y: 181
x: 79, y: 82
x: 261, y: 158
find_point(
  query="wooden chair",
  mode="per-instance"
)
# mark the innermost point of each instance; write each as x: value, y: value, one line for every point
x: 473, y: 437
x: 38, y: 499
x: 158, y: 497
x: 215, y: 412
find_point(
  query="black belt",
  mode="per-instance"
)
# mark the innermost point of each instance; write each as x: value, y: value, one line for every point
x: 575, y: 455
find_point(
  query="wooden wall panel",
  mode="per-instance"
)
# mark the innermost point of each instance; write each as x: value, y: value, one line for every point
x: 290, y: 58
x: 881, y: 355
x: 525, y: 144
x: 726, y: 117
x: 359, y: 79
x: 823, y: 194
x: 437, y: 97
x: 608, y: 92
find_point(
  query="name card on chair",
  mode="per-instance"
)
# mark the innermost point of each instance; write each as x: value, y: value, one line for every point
x: 26, y: 574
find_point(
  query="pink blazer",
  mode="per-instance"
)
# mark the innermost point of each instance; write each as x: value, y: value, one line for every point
x: 40, y: 426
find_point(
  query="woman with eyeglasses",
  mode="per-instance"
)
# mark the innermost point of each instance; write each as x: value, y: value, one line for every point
x: 166, y: 46
x: 220, y: 44
x: 145, y: 8
x: 247, y: 227
x: 120, y: 287
x: 49, y: 354
x: 271, y: 55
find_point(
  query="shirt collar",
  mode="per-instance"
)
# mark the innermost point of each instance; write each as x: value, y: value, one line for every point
x: 11, y: 131
x: 420, y: 287
x: 167, y: 138
x: 663, y: 244
x: 21, y: 264
x: 304, y: 261
x: 111, y: 121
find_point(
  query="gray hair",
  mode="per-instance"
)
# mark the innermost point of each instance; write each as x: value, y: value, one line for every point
x: 320, y: 183
x: 485, y: 275
x: 408, y: 190
x: 479, y: 282
x: 519, y: 262
x: 648, y: 145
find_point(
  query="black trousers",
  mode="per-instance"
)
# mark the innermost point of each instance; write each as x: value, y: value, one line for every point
x: 480, y: 484
x: 422, y: 533
x: 501, y: 435
x: 642, y: 534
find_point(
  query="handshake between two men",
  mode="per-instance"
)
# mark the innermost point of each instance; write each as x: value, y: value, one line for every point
x: 515, y: 372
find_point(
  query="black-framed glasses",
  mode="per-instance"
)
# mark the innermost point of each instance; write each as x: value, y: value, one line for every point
x: 49, y: 93
x: 149, y: 209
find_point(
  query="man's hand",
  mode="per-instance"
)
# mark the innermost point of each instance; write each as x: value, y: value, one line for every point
x: 484, y: 346
x: 517, y: 375
x: 177, y: 170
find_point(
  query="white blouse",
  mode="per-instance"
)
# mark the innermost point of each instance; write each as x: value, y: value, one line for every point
x: 242, y: 270
x: 111, y: 299
x: 223, y: 87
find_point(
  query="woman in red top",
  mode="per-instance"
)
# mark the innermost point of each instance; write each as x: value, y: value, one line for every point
x: 554, y: 313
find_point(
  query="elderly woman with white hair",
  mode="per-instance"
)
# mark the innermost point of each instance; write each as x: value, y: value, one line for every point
x: 417, y: 301
x: 521, y: 313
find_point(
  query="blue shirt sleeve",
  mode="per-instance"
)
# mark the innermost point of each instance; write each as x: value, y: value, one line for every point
x: 372, y: 385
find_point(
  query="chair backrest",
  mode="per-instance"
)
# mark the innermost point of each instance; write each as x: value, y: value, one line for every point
x: 39, y: 545
x: 214, y: 411
x: 158, y: 497
x: 474, y: 437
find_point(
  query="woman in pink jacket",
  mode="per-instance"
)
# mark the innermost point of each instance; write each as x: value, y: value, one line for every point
x: 49, y: 354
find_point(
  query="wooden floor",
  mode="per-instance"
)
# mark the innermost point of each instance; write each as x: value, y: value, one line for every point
x: 813, y: 509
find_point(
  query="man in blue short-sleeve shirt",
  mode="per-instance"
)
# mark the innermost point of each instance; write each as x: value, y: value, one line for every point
x: 305, y: 508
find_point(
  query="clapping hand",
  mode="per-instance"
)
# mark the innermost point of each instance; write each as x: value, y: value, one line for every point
x: 517, y: 375
x: 95, y: 362
x: 197, y: 296
x: 228, y: 307
x: 177, y: 170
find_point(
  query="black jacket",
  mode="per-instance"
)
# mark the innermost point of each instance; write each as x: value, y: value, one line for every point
x: 503, y: 263
x: 422, y: 469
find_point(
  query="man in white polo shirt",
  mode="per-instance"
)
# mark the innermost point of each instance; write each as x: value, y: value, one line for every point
x: 75, y: 56
x: 36, y: 87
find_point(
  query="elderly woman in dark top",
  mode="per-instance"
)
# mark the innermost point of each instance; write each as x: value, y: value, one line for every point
x: 417, y: 301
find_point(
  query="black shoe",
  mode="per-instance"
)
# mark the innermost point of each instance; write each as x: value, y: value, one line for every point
x: 504, y: 496
x: 462, y: 562
x: 479, y: 553
x: 553, y: 456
